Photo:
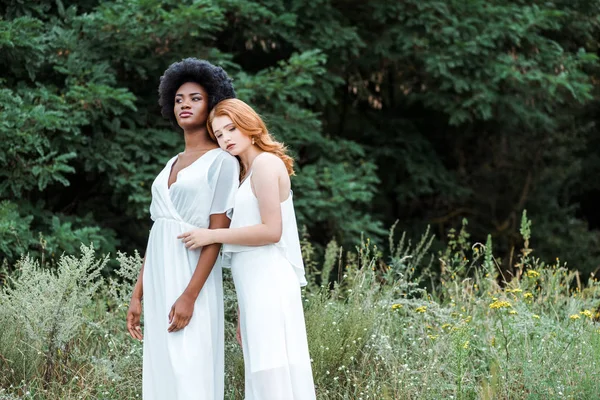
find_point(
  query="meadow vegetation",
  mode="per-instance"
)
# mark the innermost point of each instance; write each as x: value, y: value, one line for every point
x: 407, y: 323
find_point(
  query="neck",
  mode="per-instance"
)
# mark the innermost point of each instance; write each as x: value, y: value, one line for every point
x: 198, y: 139
x: 248, y: 156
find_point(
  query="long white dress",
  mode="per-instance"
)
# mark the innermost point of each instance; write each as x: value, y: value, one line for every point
x: 188, y: 364
x: 267, y: 282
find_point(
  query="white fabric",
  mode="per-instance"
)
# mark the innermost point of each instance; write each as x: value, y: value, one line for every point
x: 289, y: 244
x: 276, y: 359
x: 189, y: 364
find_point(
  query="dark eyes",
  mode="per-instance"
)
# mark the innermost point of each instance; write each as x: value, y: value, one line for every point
x: 178, y: 100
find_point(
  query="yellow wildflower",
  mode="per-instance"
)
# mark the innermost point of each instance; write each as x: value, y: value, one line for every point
x: 493, y: 341
x: 446, y: 326
x: 587, y: 313
x: 574, y: 317
x: 468, y: 319
x: 432, y: 337
x: 466, y: 345
x: 396, y: 306
x: 500, y: 304
x: 528, y: 296
x: 535, y: 316
x: 513, y: 312
x: 421, y: 309
x: 517, y: 290
x: 532, y: 274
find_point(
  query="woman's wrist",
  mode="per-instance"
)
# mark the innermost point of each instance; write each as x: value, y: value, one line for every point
x: 216, y: 235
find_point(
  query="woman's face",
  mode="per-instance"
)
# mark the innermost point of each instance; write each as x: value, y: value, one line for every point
x: 191, y: 106
x: 229, y: 137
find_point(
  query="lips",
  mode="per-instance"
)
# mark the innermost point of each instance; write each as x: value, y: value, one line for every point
x: 185, y: 114
x: 229, y: 147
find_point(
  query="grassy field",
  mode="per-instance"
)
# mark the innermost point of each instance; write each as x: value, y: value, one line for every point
x: 388, y: 329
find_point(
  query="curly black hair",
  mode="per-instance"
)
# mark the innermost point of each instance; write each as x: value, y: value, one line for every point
x: 213, y: 79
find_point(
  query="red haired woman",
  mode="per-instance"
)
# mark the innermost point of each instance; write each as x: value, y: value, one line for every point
x: 266, y: 261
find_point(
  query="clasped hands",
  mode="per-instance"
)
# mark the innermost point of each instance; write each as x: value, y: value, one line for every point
x: 197, y: 238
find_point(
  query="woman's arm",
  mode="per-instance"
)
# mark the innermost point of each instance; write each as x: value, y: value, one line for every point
x: 182, y: 310
x: 135, y: 306
x: 266, y: 175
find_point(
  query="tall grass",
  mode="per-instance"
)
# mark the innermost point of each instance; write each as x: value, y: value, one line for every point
x: 384, y: 328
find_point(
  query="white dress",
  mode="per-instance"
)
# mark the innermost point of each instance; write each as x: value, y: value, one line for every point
x: 188, y: 364
x: 267, y: 282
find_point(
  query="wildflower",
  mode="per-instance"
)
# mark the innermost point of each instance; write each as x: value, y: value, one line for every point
x: 421, y: 309
x: 432, y: 337
x: 532, y: 274
x: 535, y: 316
x: 493, y: 341
x: 517, y: 290
x: 528, y: 296
x: 446, y: 326
x: 466, y: 345
x: 513, y: 312
x: 468, y: 319
x: 587, y: 313
x: 396, y: 306
x: 574, y: 317
x: 500, y: 304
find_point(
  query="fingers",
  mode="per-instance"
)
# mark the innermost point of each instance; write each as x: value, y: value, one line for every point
x: 171, y: 314
x: 184, y: 235
x: 138, y: 333
x: 133, y: 327
x: 173, y: 320
x: 188, y: 240
x: 178, y: 323
x: 135, y: 332
x: 131, y: 332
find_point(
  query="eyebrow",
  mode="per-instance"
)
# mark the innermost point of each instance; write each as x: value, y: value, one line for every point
x: 219, y: 130
x: 191, y: 94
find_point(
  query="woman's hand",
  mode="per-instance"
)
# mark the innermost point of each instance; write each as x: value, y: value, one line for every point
x: 133, y: 318
x: 181, y: 313
x: 197, y: 238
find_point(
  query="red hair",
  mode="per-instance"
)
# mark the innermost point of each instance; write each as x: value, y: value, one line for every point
x: 250, y: 124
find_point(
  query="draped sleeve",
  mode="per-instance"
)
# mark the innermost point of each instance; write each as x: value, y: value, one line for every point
x: 224, y: 179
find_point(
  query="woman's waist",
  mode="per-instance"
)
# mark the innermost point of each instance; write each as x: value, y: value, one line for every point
x: 235, y: 249
x: 175, y: 222
x: 255, y: 254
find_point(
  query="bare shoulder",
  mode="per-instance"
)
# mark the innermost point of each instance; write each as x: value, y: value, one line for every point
x: 268, y: 164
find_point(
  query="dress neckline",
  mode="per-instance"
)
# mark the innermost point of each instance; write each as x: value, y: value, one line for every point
x: 174, y: 161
